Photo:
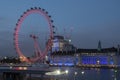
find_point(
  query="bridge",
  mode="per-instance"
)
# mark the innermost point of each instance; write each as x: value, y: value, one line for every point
x: 17, y: 72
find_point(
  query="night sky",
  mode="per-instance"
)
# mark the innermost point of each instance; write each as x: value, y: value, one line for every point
x: 85, y: 21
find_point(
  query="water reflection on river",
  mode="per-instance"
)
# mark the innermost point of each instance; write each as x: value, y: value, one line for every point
x: 98, y: 74
x: 89, y: 74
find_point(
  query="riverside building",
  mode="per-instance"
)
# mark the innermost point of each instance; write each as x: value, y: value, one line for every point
x: 65, y: 54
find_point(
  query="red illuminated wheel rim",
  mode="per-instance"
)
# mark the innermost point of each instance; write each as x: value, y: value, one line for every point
x: 18, y: 27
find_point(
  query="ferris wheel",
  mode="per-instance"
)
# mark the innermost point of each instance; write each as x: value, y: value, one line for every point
x: 40, y: 54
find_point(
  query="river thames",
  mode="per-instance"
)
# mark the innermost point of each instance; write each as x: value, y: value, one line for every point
x: 80, y: 74
x: 64, y: 73
x: 90, y: 74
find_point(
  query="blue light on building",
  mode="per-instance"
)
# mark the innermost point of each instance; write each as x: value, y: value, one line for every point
x: 64, y: 54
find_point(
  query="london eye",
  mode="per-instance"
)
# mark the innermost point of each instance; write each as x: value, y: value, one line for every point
x: 23, y: 45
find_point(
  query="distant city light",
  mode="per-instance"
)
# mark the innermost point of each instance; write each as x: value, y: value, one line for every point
x: 11, y: 67
x: 115, y: 70
x: 82, y: 72
x: 66, y: 71
x: 75, y: 73
x: 98, y: 62
x: 70, y: 40
x: 20, y: 68
x: 25, y: 68
x: 5, y: 57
